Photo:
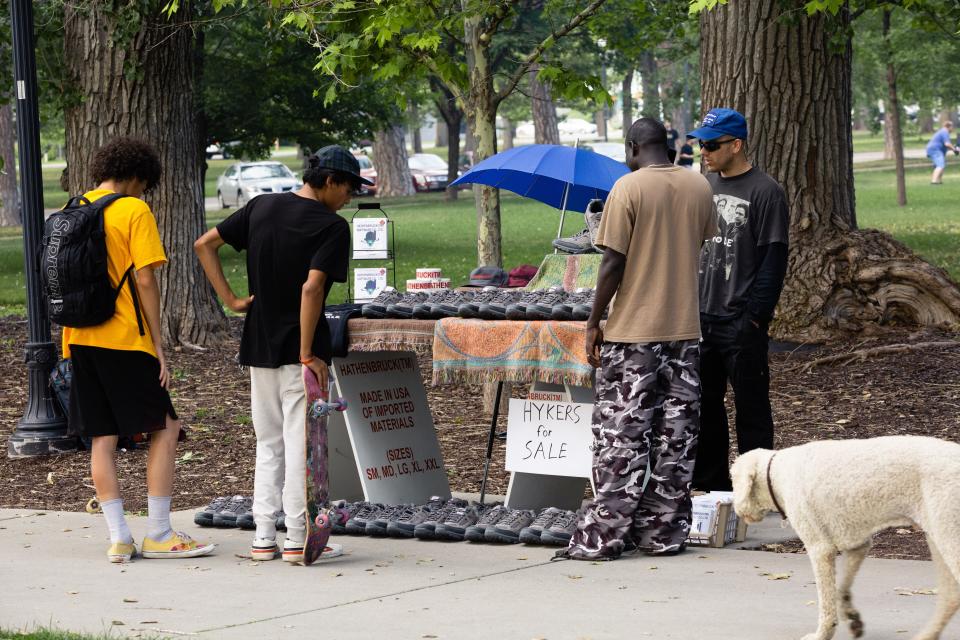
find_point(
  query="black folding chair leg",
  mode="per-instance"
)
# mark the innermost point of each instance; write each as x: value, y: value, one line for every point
x: 493, y: 433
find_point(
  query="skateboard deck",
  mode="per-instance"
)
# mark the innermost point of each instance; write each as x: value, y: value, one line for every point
x: 320, y: 515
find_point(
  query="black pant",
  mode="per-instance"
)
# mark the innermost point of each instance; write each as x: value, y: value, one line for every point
x: 735, y: 350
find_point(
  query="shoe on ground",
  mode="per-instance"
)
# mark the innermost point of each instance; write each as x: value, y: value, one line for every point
x: 455, y: 526
x: 669, y: 552
x: 377, y: 308
x: 357, y: 524
x: 264, y: 549
x: 564, y: 310
x: 427, y: 530
x: 496, y: 307
x: 518, y: 310
x: 204, y: 517
x: 490, y: 515
x: 546, y: 517
x: 542, y: 308
x: 237, y: 506
x: 509, y: 527
x: 561, y: 530
x: 121, y: 552
x: 281, y: 521
x: 405, y: 525
x: 592, y: 217
x: 578, y: 243
x: 179, y: 545
x: 403, y: 308
x: 471, y: 308
x: 346, y: 510
x: 377, y: 526
x: 292, y: 551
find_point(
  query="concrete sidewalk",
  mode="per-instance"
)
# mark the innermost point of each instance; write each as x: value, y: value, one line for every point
x: 54, y: 573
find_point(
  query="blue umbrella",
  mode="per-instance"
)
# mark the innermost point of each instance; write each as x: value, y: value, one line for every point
x: 562, y: 177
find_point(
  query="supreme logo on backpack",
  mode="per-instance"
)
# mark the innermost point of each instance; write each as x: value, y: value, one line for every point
x: 73, y: 266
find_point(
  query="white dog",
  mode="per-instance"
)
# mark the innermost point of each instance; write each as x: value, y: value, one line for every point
x: 838, y: 493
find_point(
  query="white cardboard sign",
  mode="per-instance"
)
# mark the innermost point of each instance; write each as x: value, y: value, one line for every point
x: 390, y: 426
x: 550, y: 438
x: 368, y: 283
x: 369, y: 238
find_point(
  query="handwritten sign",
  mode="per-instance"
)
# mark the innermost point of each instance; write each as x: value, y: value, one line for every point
x: 390, y: 427
x: 550, y: 438
x: 369, y: 238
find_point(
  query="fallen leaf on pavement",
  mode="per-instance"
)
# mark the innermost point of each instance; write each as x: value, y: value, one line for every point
x: 130, y: 600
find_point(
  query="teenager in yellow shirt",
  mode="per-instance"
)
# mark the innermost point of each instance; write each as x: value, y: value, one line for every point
x: 120, y: 375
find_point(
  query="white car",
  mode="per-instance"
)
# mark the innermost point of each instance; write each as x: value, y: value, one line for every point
x: 577, y: 127
x: 243, y: 181
x: 615, y: 150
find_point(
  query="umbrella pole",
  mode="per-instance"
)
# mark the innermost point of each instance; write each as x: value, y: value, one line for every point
x: 563, y: 211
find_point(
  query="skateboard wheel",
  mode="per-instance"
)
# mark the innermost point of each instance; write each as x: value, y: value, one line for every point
x: 93, y: 506
x: 322, y: 520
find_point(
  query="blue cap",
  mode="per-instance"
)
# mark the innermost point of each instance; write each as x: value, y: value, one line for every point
x: 721, y: 122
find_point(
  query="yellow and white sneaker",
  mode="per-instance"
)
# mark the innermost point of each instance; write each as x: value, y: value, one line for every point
x: 121, y: 552
x: 179, y: 545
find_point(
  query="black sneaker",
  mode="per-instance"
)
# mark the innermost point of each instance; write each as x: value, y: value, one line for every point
x: 562, y: 529
x: 454, y: 527
x: 531, y: 534
x: 377, y: 526
x: 377, y: 308
x: 542, y: 308
x: 581, y: 310
x: 357, y: 525
x: 439, y: 305
x: 204, y: 517
x: 450, y: 306
x: 518, y: 310
x: 227, y: 517
x: 496, y: 307
x: 404, y: 526
x: 564, y: 309
x: 471, y: 308
x: 492, y: 514
x: 508, y: 528
x: 281, y: 521
x: 427, y: 530
x: 348, y: 510
x: 403, y: 308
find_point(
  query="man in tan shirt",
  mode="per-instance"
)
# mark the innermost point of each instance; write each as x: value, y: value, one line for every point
x: 648, y: 390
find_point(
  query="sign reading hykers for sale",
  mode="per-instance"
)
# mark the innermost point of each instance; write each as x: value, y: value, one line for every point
x: 550, y: 438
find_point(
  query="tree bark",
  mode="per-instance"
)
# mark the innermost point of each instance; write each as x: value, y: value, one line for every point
x: 889, y: 136
x: 600, y: 118
x: 508, y: 133
x: 390, y: 158
x: 793, y: 86
x: 9, y: 196
x: 925, y: 119
x: 442, y: 132
x: 452, y: 116
x: 626, y: 96
x: 893, y: 108
x: 415, y: 125
x: 545, y: 130
x: 650, y: 79
x: 144, y: 84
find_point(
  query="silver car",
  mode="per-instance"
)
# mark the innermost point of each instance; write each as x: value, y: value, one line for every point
x: 244, y: 180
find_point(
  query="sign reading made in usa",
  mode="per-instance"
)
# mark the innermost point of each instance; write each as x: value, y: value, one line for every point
x: 551, y: 438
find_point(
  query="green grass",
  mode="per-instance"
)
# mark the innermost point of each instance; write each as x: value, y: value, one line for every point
x: 56, y: 634
x: 866, y: 141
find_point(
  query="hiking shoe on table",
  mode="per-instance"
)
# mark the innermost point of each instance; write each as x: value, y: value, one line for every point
x: 542, y: 308
x: 204, y: 517
x: 471, y: 308
x: 427, y: 530
x: 492, y: 514
x: 518, y: 309
x: 455, y: 526
x: 357, y: 524
x: 263, y: 549
x: 562, y: 529
x: 237, y: 506
x: 442, y: 304
x: 377, y: 308
x: 546, y: 517
x: 179, y: 545
x: 405, y: 525
x: 576, y: 244
x: 564, y: 310
x: 403, y: 308
x: 292, y: 551
x: 592, y: 217
x: 377, y: 526
x: 121, y: 552
x: 496, y: 307
x: 508, y: 528
x: 582, y: 310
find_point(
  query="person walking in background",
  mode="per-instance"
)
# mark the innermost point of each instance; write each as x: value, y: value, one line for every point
x: 672, y: 136
x: 741, y: 275
x: 937, y: 151
x: 648, y: 391
x: 685, y: 159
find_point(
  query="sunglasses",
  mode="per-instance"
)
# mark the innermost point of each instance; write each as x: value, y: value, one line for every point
x: 713, y: 145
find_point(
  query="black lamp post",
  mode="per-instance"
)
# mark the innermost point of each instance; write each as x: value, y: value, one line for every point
x: 43, y: 429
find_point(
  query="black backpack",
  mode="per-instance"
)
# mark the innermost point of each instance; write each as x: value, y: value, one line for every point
x: 73, y: 265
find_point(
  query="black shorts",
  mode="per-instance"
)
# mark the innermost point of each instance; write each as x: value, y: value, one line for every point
x: 116, y: 393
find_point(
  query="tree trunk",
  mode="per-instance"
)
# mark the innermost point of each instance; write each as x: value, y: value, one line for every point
x: 9, y: 196
x: 893, y: 108
x: 441, y: 132
x: 508, y: 133
x: 452, y: 116
x: 415, y: 125
x: 545, y: 129
x: 650, y: 79
x: 889, y: 135
x: 144, y: 84
x: 793, y: 86
x: 626, y: 96
x: 925, y: 119
x: 390, y: 158
x: 600, y: 118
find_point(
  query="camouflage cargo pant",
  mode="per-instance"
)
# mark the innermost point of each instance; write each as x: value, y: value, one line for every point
x: 647, y: 411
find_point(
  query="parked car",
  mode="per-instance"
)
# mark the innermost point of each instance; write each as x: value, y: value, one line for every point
x: 614, y: 150
x: 577, y: 127
x: 428, y: 171
x: 245, y: 180
x: 367, y: 171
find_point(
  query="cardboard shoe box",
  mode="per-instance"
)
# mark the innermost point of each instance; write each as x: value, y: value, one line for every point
x: 714, y: 522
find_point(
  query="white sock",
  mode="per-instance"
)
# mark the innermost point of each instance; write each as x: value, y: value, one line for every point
x: 158, y: 518
x: 116, y: 522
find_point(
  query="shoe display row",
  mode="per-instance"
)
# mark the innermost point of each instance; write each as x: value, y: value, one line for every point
x: 230, y: 512
x: 490, y: 303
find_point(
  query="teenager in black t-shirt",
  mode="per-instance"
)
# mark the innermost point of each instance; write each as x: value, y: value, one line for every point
x: 297, y: 247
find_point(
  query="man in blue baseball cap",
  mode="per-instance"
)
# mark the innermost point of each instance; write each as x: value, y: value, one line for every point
x: 741, y: 275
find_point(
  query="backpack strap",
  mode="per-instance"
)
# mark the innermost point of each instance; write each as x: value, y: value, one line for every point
x: 133, y: 294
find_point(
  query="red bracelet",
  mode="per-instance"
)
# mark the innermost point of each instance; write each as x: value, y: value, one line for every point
x: 307, y: 360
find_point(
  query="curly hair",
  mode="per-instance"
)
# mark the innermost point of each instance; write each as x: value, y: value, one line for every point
x: 127, y: 158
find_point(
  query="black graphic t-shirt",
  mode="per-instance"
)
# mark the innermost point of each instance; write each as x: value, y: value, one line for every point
x: 751, y: 213
x: 285, y: 236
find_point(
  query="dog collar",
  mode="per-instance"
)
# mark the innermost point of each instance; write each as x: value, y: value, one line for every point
x: 773, y: 495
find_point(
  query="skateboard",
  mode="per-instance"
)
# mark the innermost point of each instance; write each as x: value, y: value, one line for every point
x: 320, y: 516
